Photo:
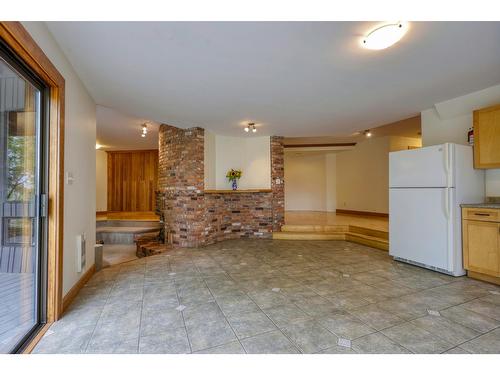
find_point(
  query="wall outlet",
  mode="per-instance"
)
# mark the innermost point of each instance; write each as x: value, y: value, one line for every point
x: 278, y: 181
x: 69, y: 178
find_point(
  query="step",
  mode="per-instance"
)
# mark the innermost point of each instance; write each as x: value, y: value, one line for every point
x: 308, y: 236
x: 127, y: 223
x: 371, y: 241
x: 314, y: 228
x: 369, y: 232
x: 146, y: 249
x: 364, y: 236
x: 121, y: 235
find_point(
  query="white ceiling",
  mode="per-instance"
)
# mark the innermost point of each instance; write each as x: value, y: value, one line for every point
x: 291, y: 78
x: 118, y: 131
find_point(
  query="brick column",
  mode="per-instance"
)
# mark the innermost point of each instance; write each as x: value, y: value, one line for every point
x: 180, y: 181
x: 278, y: 189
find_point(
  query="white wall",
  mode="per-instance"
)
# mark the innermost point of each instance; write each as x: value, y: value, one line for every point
x: 209, y: 166
x: 363, y: 176
x: 101, y: 180
x: 79, y: 157
x: 250, y: 154
x: 331, y: 182
x: 449, y: 121
x: 305, y: 182
x: 363, y: 173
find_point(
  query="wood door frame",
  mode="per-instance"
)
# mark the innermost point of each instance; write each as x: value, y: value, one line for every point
x: 19, y: 40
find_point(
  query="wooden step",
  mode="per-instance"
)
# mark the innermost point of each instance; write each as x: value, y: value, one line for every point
x: 308, y: 236
x: 364, y: 236
x: 369, y: 232
x: 376, y: 242
x: 315, y: 228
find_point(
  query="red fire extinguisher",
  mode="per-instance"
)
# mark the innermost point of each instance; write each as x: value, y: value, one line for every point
x: 470, y: 136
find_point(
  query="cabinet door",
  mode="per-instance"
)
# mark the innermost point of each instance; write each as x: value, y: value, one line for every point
x: 487, y: 137
x: 481, y: 247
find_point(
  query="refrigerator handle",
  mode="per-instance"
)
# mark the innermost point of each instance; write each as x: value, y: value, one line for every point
x: 446, y: 204
x: 447, y: 163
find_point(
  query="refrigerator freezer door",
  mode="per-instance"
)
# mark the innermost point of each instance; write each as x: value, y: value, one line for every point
x: 424, y: 167
x: 420, y: 226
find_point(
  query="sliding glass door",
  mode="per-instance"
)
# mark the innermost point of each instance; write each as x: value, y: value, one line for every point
x: 22, y: 204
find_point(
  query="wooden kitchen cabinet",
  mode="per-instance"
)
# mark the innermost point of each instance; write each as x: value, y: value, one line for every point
x: 487, y: 137
x: 481, y: 243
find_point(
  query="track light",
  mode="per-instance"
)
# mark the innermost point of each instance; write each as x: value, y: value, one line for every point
x: 144, y: 128
x: 250, y: 126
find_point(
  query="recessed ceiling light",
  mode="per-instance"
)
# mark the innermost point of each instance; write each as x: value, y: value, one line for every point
x: 385, y: 36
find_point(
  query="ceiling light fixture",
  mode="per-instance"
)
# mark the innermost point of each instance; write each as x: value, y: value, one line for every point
x: 367, y: 133
x: 144, y: 130
x: 385, y: 36
x: 251, y: 126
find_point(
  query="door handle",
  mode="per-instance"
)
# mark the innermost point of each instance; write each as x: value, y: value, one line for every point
x: 446, y: 204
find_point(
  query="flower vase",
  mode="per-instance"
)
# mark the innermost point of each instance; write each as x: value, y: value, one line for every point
x: 234, y: 184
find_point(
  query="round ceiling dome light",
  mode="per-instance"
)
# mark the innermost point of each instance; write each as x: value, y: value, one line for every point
x: 385, y: 36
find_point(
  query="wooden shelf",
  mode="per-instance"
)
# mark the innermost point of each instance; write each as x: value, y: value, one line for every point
x: 242, y: 191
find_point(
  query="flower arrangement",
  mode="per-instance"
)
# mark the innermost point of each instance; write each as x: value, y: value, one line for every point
x: 233, y: 174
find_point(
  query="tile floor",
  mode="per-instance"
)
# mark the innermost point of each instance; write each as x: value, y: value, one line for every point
x: 264, y: 296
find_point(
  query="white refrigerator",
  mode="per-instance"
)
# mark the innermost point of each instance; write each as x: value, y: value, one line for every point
x: 426, y: 187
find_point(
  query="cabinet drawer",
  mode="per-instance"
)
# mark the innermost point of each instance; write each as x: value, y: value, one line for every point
x: 481, y: 214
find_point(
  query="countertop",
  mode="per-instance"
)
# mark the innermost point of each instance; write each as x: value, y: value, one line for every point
x: 481, y: 205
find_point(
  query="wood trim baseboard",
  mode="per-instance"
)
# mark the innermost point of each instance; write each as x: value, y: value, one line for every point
x: 73, y: 292
x: 363, y: 213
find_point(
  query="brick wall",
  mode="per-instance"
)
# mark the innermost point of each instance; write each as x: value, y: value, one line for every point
x: 195, y: 218
x: 238, y: 215
x: 278, y: 189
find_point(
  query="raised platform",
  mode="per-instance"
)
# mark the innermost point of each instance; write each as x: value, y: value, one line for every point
x: 322, y: 226
x: 121, y: 234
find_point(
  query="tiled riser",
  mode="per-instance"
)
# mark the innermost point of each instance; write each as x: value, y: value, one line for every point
x: 115, y: 238
x: 127, y: 223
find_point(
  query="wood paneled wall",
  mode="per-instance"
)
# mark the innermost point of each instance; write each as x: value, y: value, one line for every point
x: 132, y: 180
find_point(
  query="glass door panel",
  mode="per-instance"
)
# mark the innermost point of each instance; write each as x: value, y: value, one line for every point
x: 20, y: 191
